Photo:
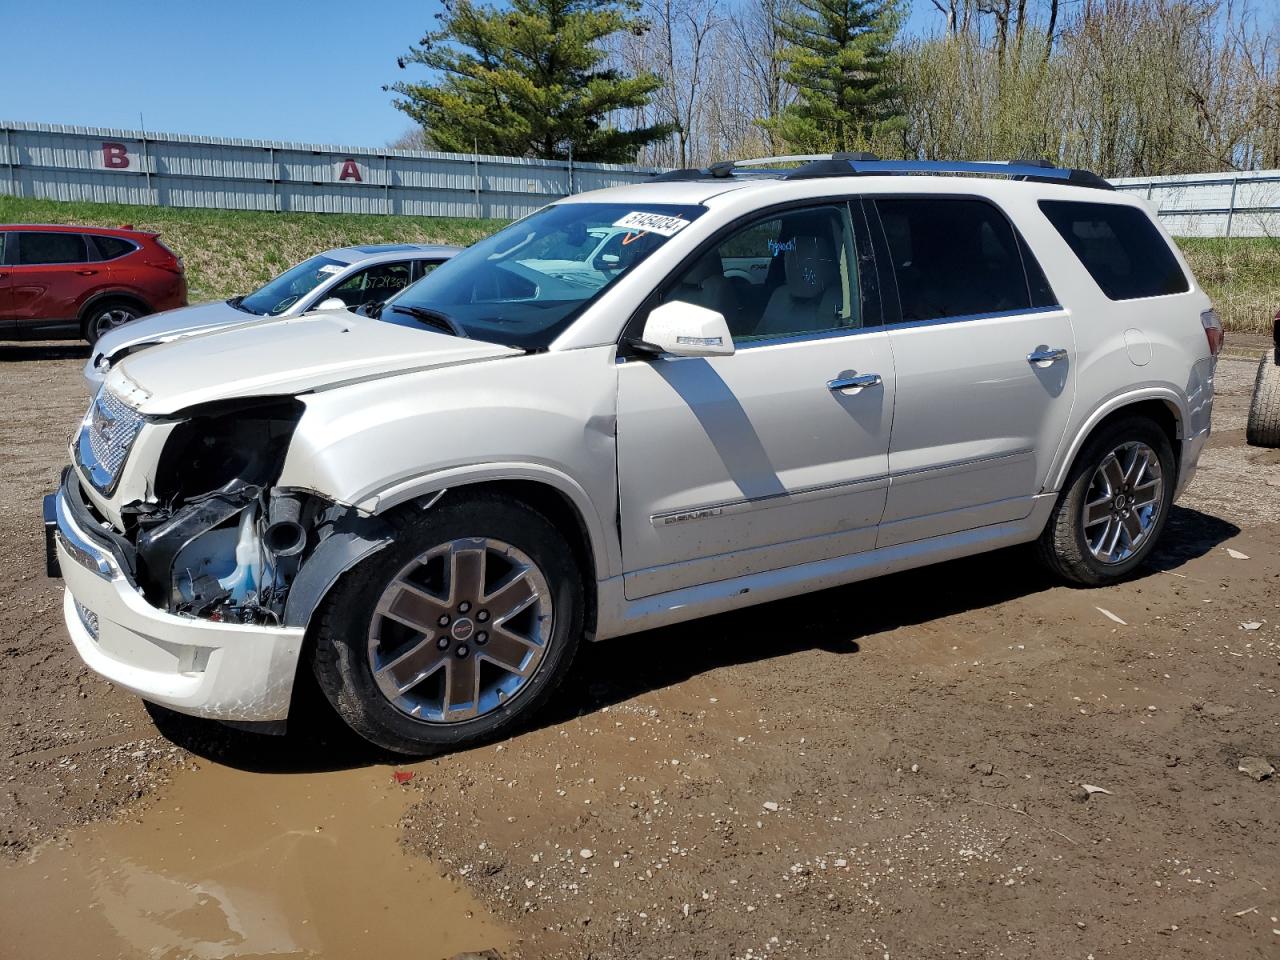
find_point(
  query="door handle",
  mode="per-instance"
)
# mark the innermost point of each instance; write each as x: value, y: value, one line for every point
x: 1044, y: 356
x: 86, y: 273
x: 855, y: 383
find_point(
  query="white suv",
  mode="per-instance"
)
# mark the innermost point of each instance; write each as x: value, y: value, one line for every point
x: 786, y: 379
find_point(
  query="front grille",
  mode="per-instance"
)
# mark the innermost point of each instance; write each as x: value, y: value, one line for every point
x: 109, y: 429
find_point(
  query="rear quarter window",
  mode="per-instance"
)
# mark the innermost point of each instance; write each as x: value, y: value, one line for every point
x: 112, y: 247
x: 1121, y: 248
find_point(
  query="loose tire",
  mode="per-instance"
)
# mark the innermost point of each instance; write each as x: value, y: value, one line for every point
x: 1263, y: 429
x: 104, y: 317
x: 454, y: 633
x: 1114, y: 505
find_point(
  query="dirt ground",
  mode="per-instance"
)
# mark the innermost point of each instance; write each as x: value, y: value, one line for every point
x: 893, y: 769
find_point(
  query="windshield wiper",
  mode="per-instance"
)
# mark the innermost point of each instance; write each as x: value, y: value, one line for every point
x: 236, y: 302
x: 433, y: 318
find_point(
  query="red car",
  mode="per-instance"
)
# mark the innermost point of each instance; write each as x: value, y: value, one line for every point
x: 60, y: 281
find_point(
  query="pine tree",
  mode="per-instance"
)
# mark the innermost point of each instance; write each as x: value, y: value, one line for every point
x: 838, y: 58
x: 529, y: 80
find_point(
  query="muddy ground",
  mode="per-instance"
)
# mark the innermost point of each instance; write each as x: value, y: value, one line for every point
x: 892, y: 769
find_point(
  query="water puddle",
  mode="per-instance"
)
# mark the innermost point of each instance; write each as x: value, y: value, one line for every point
x: 235, y: 864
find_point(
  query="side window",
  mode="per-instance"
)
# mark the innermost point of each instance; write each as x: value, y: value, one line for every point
x: 372, y: 285
x: 112, y: 247
x: 2, y: 236
x: 953, y: 258
x: 1042, y: 294
x: 790, y: 273
x: 38, y: 248
x: 423, y: 267
x: 1119, y: 246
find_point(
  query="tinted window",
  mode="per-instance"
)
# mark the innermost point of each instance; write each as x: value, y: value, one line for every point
x: 953, y: 258
x: 1042, y: 294
x: 36, y: 248
x: 373, y: 285
x: 1119, y: 246
x: 112, y: 247
x: 790, y: 273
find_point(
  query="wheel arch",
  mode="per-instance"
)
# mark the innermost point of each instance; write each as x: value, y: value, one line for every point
x: 105, y: 296
x: 555, y: 500
x: 1161, y: 405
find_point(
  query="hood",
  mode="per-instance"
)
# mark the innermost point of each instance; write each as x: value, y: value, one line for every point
x: 284, y: 357
x: 165, y: 326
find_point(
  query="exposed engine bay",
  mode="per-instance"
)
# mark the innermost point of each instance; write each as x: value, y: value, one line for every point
x: 215, y: 539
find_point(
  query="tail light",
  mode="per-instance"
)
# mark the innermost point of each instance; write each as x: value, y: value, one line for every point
x: 1212, y: 330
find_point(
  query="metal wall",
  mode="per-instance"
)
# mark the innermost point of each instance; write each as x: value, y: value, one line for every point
x: 56, y: 162
x: 1213, y: 204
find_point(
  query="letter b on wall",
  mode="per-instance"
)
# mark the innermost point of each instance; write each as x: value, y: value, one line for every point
x: 115, y: 156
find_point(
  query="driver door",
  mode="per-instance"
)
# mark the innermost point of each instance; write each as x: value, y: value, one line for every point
x: 774, y: 456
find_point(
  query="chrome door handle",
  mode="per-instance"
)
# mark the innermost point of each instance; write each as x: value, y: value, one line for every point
x: 1046, y: 356
x: 860, y: 382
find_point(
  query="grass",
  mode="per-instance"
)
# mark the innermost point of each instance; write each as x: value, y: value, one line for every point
x: 233, y: 251
x: 1241, y: 275
x: 227, y: 252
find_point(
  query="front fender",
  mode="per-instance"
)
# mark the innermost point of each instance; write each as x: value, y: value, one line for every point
x: 547, y: 418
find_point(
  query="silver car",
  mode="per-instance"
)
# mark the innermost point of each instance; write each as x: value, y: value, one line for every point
x: 344, y: 278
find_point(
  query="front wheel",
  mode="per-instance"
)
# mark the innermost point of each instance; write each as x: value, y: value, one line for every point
x: 1114, y: 506
x: 454, y: 633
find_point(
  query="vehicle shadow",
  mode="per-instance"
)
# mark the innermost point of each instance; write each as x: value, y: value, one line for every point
x: 613, y: 671
x: 18, y: 351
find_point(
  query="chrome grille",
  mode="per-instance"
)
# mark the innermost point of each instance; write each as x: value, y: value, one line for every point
x: 108, y: 433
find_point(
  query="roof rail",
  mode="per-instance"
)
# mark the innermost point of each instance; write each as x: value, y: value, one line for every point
x: 816, y: 165
x: 755, y: 166
x: 1039, y: 171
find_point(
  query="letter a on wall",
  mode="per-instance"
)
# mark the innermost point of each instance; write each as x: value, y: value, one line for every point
x: 350, y: 170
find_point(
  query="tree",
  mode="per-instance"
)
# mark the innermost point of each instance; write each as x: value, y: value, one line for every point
x: 838, y: 58
x: 529, y: 80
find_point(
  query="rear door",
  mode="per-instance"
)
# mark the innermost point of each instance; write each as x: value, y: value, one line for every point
x: 51, y: 278
x: 985, y: 364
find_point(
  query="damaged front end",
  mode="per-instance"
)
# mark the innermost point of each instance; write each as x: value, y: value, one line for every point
x: 211, y: 536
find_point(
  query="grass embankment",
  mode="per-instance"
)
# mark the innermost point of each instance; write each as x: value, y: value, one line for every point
x: 233, y: 251
x: 227, y: 252
x: 1241, y: 274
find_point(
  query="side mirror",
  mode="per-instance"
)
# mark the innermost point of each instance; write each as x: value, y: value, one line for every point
x: 687, y: 330
x: 333, y: 303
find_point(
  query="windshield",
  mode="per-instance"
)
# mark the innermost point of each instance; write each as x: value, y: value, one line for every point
x: 291, y: 286
x: 525, y: 284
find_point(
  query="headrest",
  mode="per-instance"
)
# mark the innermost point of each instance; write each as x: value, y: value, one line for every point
x: 811, y: 267
x: 708, y: 266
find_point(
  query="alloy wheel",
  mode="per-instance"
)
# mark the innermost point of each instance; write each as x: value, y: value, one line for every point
x: 112, y: 318
x: 1125, y: 496
x: 461, y: 630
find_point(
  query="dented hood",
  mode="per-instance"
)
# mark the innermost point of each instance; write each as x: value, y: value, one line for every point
x: 284, y: 357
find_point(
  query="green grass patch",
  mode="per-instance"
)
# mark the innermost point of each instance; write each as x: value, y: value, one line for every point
x: 234, y: 251
x: 1241, y: 275
x: 228, y: 252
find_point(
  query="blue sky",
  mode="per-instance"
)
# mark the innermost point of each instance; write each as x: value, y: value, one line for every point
x: 306, y: 70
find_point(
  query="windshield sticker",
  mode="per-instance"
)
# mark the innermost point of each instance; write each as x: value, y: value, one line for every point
x: 331, y: 268
x: 652, y: 223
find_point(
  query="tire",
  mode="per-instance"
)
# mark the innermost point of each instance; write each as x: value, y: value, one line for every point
x: 400, y: 687
x: 1070, y: 549
x: 107, y: 315
x: 1263, y: 429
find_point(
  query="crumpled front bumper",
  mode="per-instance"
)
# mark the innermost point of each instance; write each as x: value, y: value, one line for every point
x: 224, y: 671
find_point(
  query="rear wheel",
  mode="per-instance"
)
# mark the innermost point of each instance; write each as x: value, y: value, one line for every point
x: 102, y: 318
x: 1263, y: 429
x: 1114, y: 506
x: 457, y: 631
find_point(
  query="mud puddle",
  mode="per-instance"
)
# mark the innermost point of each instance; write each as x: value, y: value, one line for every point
x: 234, y: 864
